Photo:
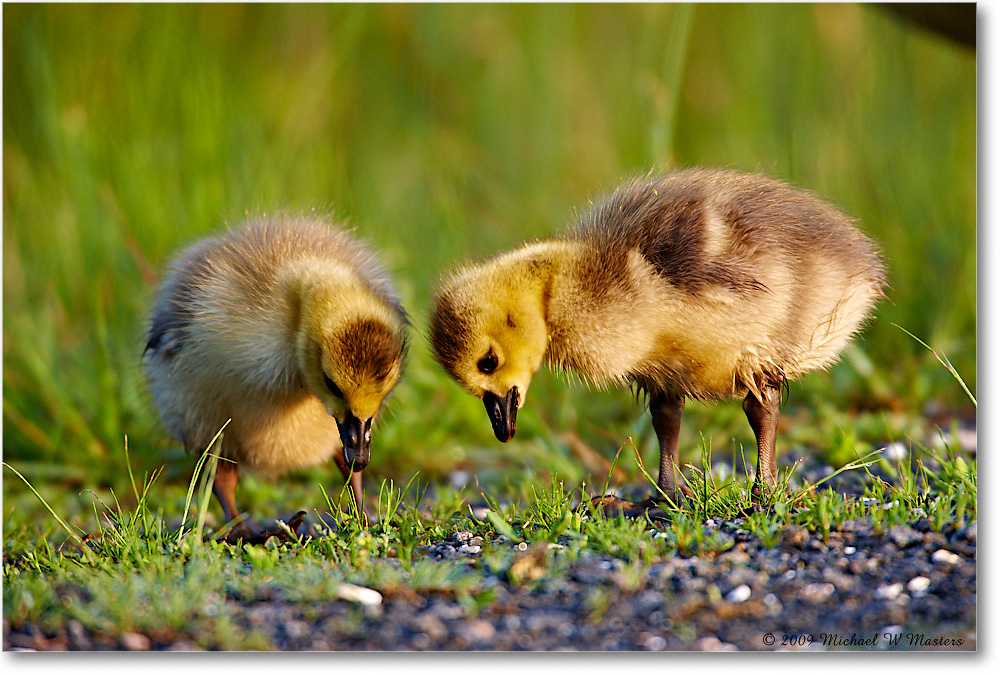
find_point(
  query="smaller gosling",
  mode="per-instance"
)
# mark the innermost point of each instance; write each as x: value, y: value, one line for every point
x: 290, y: 329
x: 703, y: 284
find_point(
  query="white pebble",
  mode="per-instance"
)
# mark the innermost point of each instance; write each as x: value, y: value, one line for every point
x: 818, y: 592
x: 918, y: 585
x: 739, y: 594
x: 896, y: 452
x: 368, y: 597
x: 889, y: 591
x: 945, y: 556
x: 479, y: 512
x: 466, y: 548
x: 655, y: 643
x: 894, y: 629
x: 136, y: 642
x: 849, y: 550
x: 714, y: 644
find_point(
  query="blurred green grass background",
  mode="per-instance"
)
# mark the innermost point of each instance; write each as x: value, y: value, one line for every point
x: 445, y: 133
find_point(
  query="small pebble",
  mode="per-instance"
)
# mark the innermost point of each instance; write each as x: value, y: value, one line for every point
x: 935, y: 539
x: 297, y: 629
x: 479, y: 512
x: 135, y: 642
x: 653, y: 643
x: 794, y: 536
x: 368, y: 597
x: 430, y: 627
x: 850, y: 550
x: 892, y: 630
x: 818, y: 592
x: 464, y: 535
x: 903, y: 536
x: 968, y: 533
x: 945, y: 556
x: 714, y: 644
x: 75, y: 629
x: 465, y: 548
x: 478, y: 630
x: 889, y: 591
x: 918, y: 586
x: 895, y: 452
x: 739, y: 594
x: 523, y: 546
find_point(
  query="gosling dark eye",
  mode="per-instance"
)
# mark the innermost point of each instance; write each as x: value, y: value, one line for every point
x: 488, y: 363
x: 334, y: 389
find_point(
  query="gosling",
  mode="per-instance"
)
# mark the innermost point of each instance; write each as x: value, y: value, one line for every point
x: 290, y: 330
x: 703, y: 284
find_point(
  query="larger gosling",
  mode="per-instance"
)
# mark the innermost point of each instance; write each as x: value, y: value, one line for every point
x: 703, y: 284
x: 289, y: 328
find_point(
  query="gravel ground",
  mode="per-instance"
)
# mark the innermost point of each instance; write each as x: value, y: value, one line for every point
x: 907, y: 589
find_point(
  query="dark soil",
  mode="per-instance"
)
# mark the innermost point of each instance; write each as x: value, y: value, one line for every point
x: 909, y: 588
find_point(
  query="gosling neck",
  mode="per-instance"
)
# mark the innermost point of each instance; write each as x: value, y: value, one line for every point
x: 597, y: 324
x: 532, y: 277
x: 323, y: 296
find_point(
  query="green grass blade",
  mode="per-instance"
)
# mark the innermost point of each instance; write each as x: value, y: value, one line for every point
x: 943, y: 360
x: 62, y: 523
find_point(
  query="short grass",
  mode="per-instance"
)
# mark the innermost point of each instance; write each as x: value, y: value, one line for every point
x: 443, y: 133
x: 111, y: 579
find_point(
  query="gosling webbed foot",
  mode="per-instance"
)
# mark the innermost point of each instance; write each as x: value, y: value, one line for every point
x: 246, y: 535
x: 612, y: 506
x: 763, y: 497
x: 279, y: 532
x: 241, y: 531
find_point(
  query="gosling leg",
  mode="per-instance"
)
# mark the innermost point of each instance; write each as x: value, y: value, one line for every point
x: 227, y: 475
x: 763, y: 417
x: 666, y: 411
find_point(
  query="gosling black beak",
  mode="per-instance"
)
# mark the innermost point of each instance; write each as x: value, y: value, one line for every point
x: 356, y: 437
x: 503, y: 413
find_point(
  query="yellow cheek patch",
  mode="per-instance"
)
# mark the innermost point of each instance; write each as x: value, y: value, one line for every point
x: 365, y: 401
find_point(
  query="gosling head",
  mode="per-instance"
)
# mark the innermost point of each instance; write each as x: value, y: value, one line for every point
x: 488, y: 331
x: 351, y: 346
